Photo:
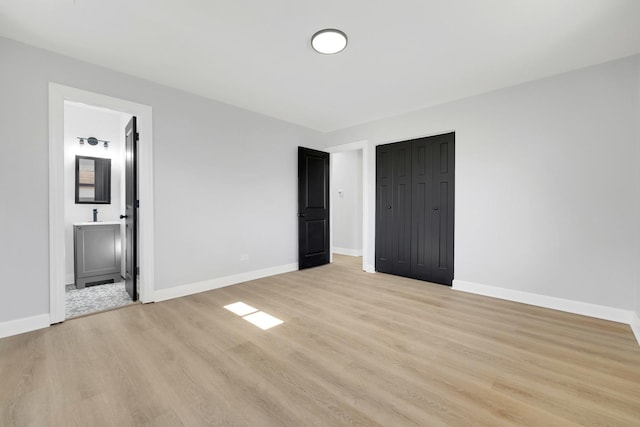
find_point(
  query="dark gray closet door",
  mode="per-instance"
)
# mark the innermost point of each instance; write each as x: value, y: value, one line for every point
x: 415, y: 208
x: 393, y: 213
x: 433, y: 209
x: 384, y: 209
x: 402, y: 209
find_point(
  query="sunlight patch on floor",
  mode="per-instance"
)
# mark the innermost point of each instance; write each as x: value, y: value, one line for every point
x: 260, y: 319
x: 263, y: 320
x: 240, y: 308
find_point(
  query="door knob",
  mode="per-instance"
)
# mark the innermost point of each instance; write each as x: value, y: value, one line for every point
x: 302, y: 214
x: 389, y: 207
x: 435, y: 209
x: 124, y: 216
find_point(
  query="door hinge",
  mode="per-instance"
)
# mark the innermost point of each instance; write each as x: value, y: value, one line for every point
x: 137, y: 271
x: 137, y: 136
x: 137, y: 203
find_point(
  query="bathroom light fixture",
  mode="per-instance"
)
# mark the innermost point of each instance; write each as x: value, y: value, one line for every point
x: 92, y: 140
x: 329, y: 41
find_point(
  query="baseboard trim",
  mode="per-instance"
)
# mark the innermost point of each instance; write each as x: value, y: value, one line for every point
x: 345, y: 251
x: 635, y: 326
x: 221, y: 282
x: 561, y: 304
x: 26, y: 324
x: 369, y: 268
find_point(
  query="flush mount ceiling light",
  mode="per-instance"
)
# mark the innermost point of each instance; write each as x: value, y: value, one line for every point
x: 329, y: 41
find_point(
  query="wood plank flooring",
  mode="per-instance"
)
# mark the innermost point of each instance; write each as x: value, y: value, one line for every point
x: 354, y: 349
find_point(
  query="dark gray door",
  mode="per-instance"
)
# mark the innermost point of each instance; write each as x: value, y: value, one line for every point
x: 313, y: 208
x: 415, y: 208
x: 432, y: 208
x: 384, y: 209
x: 393, y: 213
x: 131, y: 204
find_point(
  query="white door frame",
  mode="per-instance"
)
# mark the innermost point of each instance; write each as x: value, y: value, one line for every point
x: 57, y: 95
x: 368, y: 239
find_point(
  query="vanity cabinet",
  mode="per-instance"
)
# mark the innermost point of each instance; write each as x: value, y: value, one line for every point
x: 96, y: 253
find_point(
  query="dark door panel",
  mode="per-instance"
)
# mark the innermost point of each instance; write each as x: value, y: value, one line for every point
x: 422, y: 210
x: 393, y: 212
x: 313, y: 208
x: 401, y: 154
x: 131, y: 214
x: 443, y: 167
x: 415, y: 208
x: 384, y: 213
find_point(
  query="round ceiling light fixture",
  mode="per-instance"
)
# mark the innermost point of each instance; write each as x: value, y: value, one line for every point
x: 329, y: 41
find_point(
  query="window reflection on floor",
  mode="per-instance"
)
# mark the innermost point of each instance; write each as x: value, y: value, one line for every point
x: 259, y: 318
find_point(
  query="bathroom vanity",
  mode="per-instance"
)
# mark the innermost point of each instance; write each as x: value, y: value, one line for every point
x: 96, y: 253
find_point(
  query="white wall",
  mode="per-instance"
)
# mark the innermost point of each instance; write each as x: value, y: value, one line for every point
x: 225, y: 178
x: 105, y: 125
x: 346, y: 199
x: 637, y: 320
x: 546, y: 182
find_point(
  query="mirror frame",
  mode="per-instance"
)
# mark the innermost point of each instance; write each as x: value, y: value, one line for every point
x: 102, y: 180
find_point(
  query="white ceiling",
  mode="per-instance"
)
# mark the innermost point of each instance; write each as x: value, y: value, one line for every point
x: 402, y: 54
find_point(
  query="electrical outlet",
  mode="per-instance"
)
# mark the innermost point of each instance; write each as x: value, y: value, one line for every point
x: 244, y: 257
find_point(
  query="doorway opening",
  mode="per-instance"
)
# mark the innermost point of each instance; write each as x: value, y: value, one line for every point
x: 346, y: 191
x: 349, y: 199
x: 88, y: 239
x: 95, y: 181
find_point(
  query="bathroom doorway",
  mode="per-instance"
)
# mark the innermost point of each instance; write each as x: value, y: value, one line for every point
x: 93, y: 227
x: 95, y: 178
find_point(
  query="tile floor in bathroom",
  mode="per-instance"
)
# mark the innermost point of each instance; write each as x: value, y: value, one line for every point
x: 93, y: 299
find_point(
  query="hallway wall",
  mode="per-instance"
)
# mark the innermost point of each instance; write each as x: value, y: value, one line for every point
x: 346, y: 193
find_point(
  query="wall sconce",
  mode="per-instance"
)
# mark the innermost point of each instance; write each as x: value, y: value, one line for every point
x: 93, y: 141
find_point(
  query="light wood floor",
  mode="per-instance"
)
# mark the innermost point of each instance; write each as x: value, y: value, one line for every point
x: 354, y: 349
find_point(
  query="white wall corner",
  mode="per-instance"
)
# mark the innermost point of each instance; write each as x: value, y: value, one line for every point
x: 561, y: 304
x: 347, y: 251
x: 220, y: 282
x: 635, y: 326
x: 26, y: 324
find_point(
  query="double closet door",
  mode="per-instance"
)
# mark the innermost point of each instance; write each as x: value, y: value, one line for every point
x: 414, y: 208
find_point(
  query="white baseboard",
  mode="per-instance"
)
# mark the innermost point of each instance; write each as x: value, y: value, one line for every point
x: 369, y: 268
x: 220, y: 282
x: 635, y: 326
x: 345, y: 251
x: 570, y: 306
x: 26, y: 324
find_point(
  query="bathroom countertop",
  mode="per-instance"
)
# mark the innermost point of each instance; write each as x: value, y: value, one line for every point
x: 97, y: 223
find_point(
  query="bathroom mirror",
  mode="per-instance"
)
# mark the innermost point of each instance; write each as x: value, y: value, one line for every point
x: 93, y: 180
